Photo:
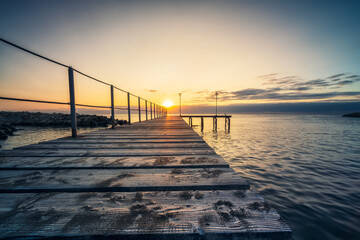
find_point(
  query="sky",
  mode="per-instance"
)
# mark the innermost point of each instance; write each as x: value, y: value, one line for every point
x: 263, y: 53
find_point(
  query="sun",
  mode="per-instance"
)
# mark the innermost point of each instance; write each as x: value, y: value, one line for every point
x: 168, y: 103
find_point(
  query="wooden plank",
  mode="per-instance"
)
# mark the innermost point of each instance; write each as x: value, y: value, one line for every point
x: 104, y: 153
x: 184, y: 214
x: 120, y: 180
x: 165, y: 137
x: 197, y: 161
x: 106, y: 141
x: 133, y: 145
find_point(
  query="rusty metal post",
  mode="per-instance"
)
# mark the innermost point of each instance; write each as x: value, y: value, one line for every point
x: 112, y: 107
x: 72, y: 102
x: 129, y: 113
x: 146, y: 110
x: 139, y: 109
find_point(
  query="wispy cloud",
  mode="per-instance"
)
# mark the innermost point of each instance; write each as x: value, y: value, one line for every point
x: 151, y: 90
x: 299, y: 84
x: 290, y: 88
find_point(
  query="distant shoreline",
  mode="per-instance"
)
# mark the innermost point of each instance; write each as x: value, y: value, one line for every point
x: 354, y: 114
x: 8, y: 121
x: 54, y: 119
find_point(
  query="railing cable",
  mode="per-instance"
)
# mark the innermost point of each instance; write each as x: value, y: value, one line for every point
x: 33, y: 53
x: 64, y: 65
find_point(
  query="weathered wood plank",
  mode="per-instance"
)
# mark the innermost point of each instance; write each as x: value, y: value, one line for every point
x: 133, y: 145
x: 197, y: 161
x: 106, y: 141
x: 189, y: 213
x: 140, y: 137
x: 120, y: 180
x: 105, y: 152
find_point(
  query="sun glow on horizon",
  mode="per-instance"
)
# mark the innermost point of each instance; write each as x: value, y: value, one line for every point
x: 168, y: 103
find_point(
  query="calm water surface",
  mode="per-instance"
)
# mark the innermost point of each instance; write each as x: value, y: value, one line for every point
x: 306, y: 166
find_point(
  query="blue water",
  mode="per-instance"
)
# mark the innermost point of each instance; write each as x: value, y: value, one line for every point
x: 306, y: 166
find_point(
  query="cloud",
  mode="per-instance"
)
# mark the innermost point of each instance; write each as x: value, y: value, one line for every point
x: 336, y: 75
x: 151, y: 90
x: 289, y: 88
x: 353, y: 76
x: 299, y: 84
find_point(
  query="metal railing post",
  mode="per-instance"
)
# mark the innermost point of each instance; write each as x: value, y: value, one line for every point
x: 129, y: 113
x: 139, y: 109
x: 112, y: 107
x: 151, y: 115
x: 72, y: 103
x: 146, y: 110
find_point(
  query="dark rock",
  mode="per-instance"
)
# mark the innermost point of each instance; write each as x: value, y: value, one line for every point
x: 52, y: 119
x: 3, y: 135
x: 355, y: 114
x: 6, y: 130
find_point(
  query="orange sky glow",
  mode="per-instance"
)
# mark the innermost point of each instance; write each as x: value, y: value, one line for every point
x: 156, y: 50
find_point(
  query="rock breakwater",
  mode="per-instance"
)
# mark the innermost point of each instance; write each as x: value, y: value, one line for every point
x: 54, y: 119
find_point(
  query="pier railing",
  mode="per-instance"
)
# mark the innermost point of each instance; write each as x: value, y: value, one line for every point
x: 155, y: 110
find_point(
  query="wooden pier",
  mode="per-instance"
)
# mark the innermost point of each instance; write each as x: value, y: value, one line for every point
x: 151, y: 180
x: 214, y: 117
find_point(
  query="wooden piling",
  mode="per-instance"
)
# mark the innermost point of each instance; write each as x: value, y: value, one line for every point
x: 215, y: 124
x: 202, y: 124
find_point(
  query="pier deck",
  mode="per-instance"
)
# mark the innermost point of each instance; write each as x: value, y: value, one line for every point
x: 151, y: 180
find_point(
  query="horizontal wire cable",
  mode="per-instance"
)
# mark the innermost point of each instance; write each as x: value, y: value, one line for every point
x: 64, y: 103
x: 95, y: 79
x: 33, y: 53
x: 85, y: 105
x: 64, y: 65
x: 32, y: 100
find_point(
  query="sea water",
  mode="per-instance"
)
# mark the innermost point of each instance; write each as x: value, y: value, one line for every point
x: 306, y: 166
